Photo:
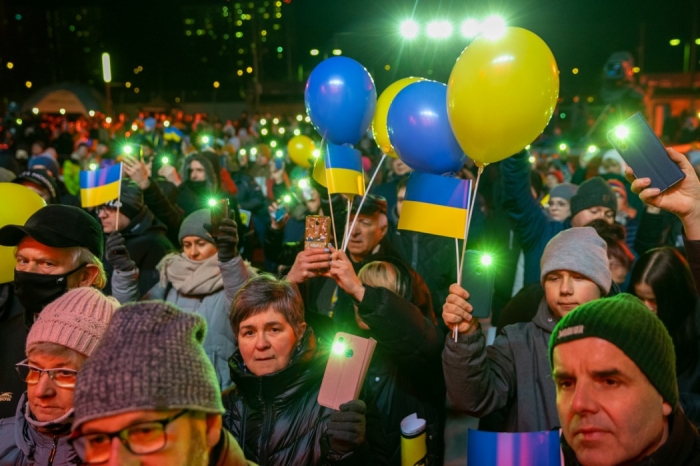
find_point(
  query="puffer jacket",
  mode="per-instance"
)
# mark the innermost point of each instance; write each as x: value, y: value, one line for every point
x: 513, y: 374
x: 405, y: 375
x: 22, y: 444
x: 219, y: 343
x: 277, y: 420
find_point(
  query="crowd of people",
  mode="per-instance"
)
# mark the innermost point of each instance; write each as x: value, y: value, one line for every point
x: 144, y: 330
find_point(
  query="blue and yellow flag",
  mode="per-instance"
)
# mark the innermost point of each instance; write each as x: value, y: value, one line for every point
x: 172, y: 134
x: 344, y: 173
x: 436, y: 204
x: 100, y: 186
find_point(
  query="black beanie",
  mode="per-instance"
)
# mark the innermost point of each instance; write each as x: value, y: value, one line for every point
x: 595, y: 192
x: 131, y: 199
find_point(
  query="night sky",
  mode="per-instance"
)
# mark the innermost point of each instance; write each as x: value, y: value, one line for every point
x: 581, y: 34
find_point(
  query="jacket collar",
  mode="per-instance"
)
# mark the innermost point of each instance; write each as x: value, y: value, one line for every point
x: 545, y: 318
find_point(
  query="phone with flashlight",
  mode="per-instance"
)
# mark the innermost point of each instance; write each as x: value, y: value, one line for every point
x: 478, y: 278
x: 346, y: 369
x: 279, y: 163
x: 219, y: 211
x: 644, y: 153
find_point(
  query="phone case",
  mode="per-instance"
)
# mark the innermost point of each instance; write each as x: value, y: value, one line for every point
x: 346, y: 369
x: 218, y: 212
x: 317, y: 230
x: 643, y: 151
x: 478, y: 279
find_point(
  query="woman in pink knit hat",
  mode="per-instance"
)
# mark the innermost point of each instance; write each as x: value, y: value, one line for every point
x: 58, y: 344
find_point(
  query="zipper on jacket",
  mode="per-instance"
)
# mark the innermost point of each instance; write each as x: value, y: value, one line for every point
x: 53, y: 449
x: 266, y: 432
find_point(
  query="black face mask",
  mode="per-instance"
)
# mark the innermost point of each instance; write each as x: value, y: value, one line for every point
x: 36, y: 290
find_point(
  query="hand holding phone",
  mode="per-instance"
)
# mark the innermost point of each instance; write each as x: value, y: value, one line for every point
x: 346, y: 369
x: 644, y: 153
x: 478, y: 279
x: 219, y: 211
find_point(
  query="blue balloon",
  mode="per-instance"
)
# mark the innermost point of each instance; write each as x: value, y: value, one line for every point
x: 340, y: 99
x: 420, y: 131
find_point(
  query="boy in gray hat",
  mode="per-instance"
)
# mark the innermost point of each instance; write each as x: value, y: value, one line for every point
x: 150, y: 394
x: 512, y: 376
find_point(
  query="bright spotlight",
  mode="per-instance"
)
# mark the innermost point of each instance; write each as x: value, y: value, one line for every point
x: 493, y: 27
x: 470, y: 28
x: 439, y: 29
x: 409, y: 29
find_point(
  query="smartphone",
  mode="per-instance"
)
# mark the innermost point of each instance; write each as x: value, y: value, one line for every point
x: 317, y: 231
x: 219, y: 211
x: 346, y: 369
x: 641, y: 149
x: 280, y: 213
x: 279, y: 163
x: 478, y: 278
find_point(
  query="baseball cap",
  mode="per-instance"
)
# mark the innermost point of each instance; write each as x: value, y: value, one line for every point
x: 58, y: 226
x: 373, y: 204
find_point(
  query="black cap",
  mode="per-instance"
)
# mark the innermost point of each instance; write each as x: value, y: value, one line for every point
x: 373, y: 204
x: 130, y: 199
x: 58, y: 226
x: 40, y: 177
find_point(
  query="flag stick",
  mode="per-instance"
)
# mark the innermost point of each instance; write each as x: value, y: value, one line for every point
x: 119, y: 196
x: 466, y: 234
x: 346, y: 233
x: 362, y: 201
x: 330, y: 200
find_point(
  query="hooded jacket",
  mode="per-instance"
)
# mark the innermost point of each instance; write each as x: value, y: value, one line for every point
x: 145, y: 239
x: 513, y: 374
x: 22, y: 444
x: 277, y: 420
x: 219, y: 342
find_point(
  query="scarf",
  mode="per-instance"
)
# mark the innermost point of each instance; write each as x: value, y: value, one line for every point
x: 190, y: 277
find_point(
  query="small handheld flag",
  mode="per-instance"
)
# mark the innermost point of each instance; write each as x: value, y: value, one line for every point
x: 436, y: 205
x: 344, y: 173
x: 100, y: 186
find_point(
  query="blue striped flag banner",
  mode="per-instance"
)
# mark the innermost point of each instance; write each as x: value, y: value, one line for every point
x: 344, y: 173
x: 98, y: 187
x: 435, y: 204
x: 514, y: 448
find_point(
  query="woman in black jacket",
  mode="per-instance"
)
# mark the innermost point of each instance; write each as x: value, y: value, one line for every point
x: 405, y: 375
x: 272, y: 409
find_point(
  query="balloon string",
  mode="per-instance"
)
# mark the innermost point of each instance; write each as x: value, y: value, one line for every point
x: 472, y: 201
x: 330, y: 200
x: 119, y: 195
x: 347, y: 222
x: 362, y: 201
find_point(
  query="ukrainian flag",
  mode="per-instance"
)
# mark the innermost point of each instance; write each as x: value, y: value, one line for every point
x: 172, y: 134
x: 437, y: 205
x: 100, y: 186
x: 344, y: 170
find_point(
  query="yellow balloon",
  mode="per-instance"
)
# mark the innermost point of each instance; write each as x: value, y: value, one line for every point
x: 319, y: 173
x: 17, y: 204
x: 501, y: 94
x: 379, y: 128
x: 300, y: 149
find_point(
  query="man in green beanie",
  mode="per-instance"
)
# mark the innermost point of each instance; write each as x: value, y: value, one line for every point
x: 613, y: 365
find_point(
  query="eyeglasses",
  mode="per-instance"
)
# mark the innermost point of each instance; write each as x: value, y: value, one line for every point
x: 140, y: 439
x: 105, y: 208
x: 61, y: 377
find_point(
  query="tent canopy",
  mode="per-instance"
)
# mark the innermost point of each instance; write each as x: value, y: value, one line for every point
x: 73, y: 98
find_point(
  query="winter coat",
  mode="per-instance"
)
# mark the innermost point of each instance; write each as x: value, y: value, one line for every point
x: 682, y: 446
x: 161, y: 198
x: 512, y: 375
x: 531, y: 225
x: 227, y: 452
x: 22, y: 444
x: 405, y: 375
x: 219, y: 343
x: 277, y: 420
x: 147, y: 244
x: 250, y: 196
x: 13, y: 339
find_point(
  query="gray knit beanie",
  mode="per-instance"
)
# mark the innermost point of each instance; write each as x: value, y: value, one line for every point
x: 76, y: 320
x: 193, y: 225
x: 150, y: 358
x: 579, y: 250
x: 563, y: 190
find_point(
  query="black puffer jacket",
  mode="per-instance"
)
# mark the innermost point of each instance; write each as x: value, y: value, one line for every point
x: 405, y: 375
x: 277, y: 420
x: 145, y: 239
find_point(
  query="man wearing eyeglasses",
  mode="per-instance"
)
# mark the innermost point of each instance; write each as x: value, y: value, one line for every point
x: 58, y: 345
x: 149, y: 394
